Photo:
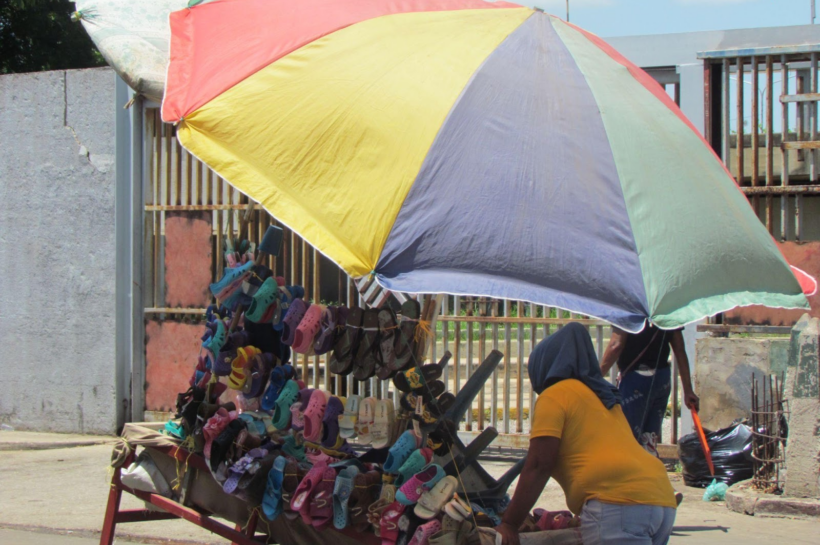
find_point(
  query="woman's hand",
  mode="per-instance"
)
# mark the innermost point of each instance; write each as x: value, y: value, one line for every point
x: 509, y: 535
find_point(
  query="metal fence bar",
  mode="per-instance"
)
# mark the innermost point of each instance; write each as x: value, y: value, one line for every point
x: 784, y: 153
x: 725, y: 114
x: 740, y: 119
x: 507, y: 367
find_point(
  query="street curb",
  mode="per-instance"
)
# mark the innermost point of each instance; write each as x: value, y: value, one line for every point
x: 741, y: 498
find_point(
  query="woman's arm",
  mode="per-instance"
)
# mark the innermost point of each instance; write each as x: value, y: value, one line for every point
x: 617, y: 341
x: 537, y: 470
x: 679, y: 349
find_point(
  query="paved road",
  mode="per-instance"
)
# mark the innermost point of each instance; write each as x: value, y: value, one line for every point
x: 66, y: 489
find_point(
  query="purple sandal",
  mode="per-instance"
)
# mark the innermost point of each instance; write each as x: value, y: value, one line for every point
x: 296, y: 312
x: 330, y: 430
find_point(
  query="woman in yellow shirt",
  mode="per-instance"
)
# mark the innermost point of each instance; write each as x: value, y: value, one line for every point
x: 581, y: 438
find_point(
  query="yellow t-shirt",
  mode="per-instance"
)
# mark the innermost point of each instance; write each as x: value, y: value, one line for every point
x: 599, y: 458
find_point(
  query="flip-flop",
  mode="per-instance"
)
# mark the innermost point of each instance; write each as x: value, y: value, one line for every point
x: 383, y: 423
x: 345, y: 347
x: 400, y: 452
x: 431, y: 391
x: 425, y: 532
x: 321, y: 501
x: 366, y: 420
x: 415, y: 463
x: 266, y: 296
x: 342, y: 490
x: 348, y: 420
x: 389, y: 522
x: 432, y: 411
x: 297, y: 410
x: 301, y: 497
x: 330, y: 422
x: 458, y: 509
x: 386, y: 355
x: 307, y: 329
x: 366, y: 359
x: 415, y: 378
x: 214, y: 426
x: 298, y: 309
x: 364, y: 494
x: 287, y: 397
x: 290, y: 482
x: 433, y: 501
x: 272, y: 499
x: 426, y: 479
x: 374, y: 511
x: 238, y: 470
x: 313, y: 416
x: 406, y: 340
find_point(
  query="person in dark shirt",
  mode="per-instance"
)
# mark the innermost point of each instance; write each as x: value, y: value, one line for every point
x: 645, y: 377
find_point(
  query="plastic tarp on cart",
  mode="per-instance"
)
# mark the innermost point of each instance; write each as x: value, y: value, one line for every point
x: 133, y: 37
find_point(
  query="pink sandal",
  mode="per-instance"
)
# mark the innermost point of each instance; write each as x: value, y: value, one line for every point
x: 314, y: 414
x: 301, y: 496
x: 307, y: 329
x: 425, y: 532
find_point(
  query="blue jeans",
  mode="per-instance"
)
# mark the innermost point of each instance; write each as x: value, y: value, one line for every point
x: 645, y: 400
x: 607, y: 523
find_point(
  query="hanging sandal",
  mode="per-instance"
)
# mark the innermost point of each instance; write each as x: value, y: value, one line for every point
x: 414, y: 464
x: 425, y: 532
x: 332, y: 324
x: 425, y: 480
x: 389, y: 522
x: 307, y: 329
x: 272, y: 499
x: 383, y: 422
x: 330, y: 422
x: 401, y: 451
x: 346, y: 346
x: 298, y: 309
x: 313, y: 416
x: 342, y: 490
x: 240, y: 367
x: 287, y: 294
x: 366, y: 420
x: 406, y: 340
x: 415, y: 378
x: 266, y: 296
x: 278, y: 377
x: 287, y: 397
x: 297, y: 410
x: 433, y: 501
x: 366, y: 360
x: 348, y: 420
x: 321, y: 501
x: 386, y: 355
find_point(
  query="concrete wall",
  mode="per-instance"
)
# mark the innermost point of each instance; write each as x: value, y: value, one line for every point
x: 723, y: 377
x: 57, y: 188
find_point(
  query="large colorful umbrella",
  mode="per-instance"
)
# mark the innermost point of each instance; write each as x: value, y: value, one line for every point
x: 474, y: 148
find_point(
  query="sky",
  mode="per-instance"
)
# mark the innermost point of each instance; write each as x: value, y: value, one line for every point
x: 635, y: 17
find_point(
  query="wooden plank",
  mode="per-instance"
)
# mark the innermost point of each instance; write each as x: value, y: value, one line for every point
x: 769, y: 141
x: 755, y: 132
x: 725, y: 115
x: 803, y: 97
x: 739, y: 122
x: 527, y: 320
x: 813, y: 119
x: 519, y: 401
x: 804, y: 145
x: 782, y: 190
x: 784, y: 158
x: 507, y: 366
x: 759, y: 329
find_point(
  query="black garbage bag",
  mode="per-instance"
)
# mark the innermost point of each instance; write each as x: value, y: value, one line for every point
x: 731, y: 454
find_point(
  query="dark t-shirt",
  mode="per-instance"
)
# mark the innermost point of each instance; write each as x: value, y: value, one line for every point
x: 655, y: 357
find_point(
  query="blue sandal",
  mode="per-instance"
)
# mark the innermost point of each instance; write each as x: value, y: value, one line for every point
x: 272, y: 500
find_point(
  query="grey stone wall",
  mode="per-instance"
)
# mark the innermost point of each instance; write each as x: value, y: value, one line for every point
x: 724, y: 375
x: 57, y: 189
